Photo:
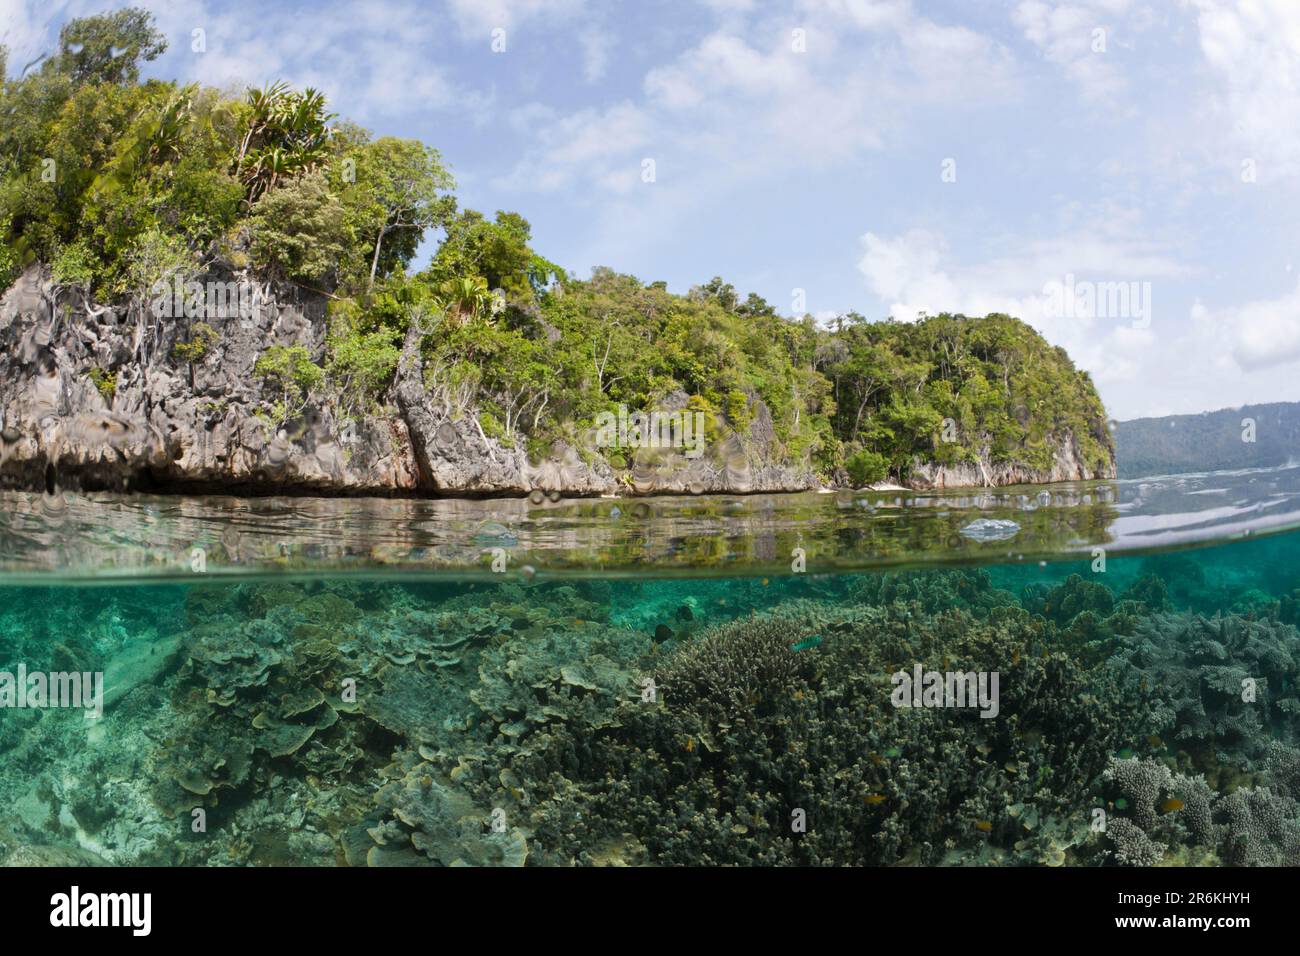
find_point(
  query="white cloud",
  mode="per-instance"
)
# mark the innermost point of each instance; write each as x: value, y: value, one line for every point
x: 27, y: 30
x: 1209, y: 358
x: 348, y: 53
x: 1079, y: 38
x: 864, y: 14
x: 911, y: 274
x: 481, y: 17
x: 866, y: 69
x: 1252, y: 48
x: 604, y: 144
x: 596, y: 45
x: 1259, y: 334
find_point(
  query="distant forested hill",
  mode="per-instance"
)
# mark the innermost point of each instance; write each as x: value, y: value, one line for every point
x: 1210, y: 441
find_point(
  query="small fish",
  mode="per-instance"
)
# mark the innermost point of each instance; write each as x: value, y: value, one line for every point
x: 892, y: 752
x: 1125, y: 753
x: 806, y: 643
x: 663, y: 633
x: 764, y: 582
x: 690, y: 745
x: 684, y: 613
x: 1155, y: 741
x: 875, y: 758
x: 874, y: 799
x: 984, y: 826
x: 1171, y: 805
x: 1121, y: 804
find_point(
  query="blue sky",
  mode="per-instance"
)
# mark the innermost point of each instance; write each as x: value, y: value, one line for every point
x: 883, y: 156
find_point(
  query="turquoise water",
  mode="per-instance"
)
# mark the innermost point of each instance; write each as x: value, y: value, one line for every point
x: 1127, y: 704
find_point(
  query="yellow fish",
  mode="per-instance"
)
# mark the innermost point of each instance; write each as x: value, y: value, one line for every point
x: 874, y: 799
x: 984, y: 826
x: 1170, y: 805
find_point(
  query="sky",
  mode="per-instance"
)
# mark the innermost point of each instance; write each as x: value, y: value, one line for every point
x: 1122, y: 175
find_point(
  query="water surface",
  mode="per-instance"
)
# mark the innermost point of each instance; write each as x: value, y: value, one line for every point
x: 694, y: 681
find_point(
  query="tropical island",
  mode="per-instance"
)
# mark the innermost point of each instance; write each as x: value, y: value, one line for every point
x: 207, y: 292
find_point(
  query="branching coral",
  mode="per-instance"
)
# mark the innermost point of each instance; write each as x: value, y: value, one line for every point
x: 1229, y: 683
x: 1142, y: 783
x: 1132, y: 846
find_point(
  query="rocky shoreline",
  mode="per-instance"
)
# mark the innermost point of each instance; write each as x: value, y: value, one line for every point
x: 171, y: 425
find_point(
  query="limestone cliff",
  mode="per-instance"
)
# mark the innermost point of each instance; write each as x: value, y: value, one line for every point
x: 1067, y: 465
x: 165, y: 423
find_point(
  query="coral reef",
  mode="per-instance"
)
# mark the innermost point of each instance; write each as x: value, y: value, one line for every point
x: 590, y: 722
x: 1250, y: 826
x: 1228, y: 683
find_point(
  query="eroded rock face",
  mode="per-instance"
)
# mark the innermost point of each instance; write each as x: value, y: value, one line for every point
x: 175, y: 425
x: 169, y: 423
x: 1067, y: 465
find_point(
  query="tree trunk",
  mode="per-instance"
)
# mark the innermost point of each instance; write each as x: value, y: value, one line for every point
x: 374, y: 262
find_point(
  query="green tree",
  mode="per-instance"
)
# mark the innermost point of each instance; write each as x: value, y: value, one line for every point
x: 108, y: 48
x: 298, y: 230
x: 290, y: 370
x: 402, y: 182
x: 498, y: 251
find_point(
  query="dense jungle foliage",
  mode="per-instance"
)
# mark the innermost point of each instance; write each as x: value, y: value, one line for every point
x: 117, y: 183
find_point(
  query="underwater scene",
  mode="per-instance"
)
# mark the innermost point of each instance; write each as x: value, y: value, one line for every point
x: 1107, y: 696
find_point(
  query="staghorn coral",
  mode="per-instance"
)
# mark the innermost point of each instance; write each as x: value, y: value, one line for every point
x: 731, y: 669
x: 1199, y: 801
x: 1132, y: 846
x: 1262, y: 828
x: 1199, y: 667
x: 1070, y: 598
x: 1283, y: 766
x: 1251, y: 826
x: 746, y: 731
x: 1142, y: 782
